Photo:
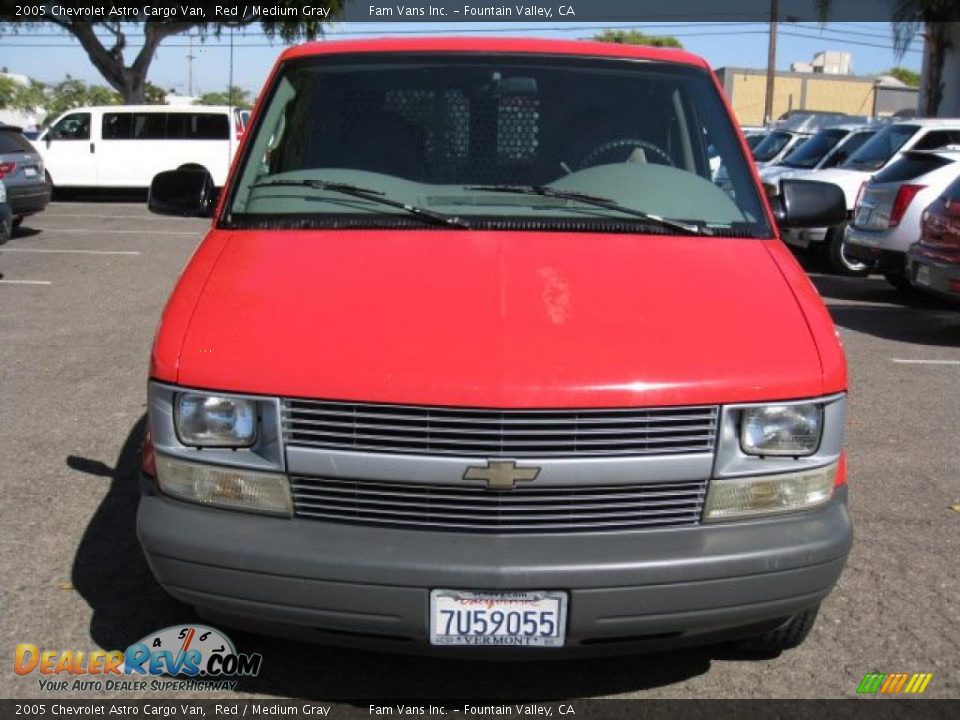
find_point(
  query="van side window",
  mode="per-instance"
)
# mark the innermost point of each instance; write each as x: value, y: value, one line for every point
x: 198, y: 126
x: 149, y: 126
x: 117, y: 126
x: 206, y: 126
x: 75, y: 126
x: 166, y: 126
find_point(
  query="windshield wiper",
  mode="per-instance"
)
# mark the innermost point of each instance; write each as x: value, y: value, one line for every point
x: 594, y: 200
x: 368, y: 194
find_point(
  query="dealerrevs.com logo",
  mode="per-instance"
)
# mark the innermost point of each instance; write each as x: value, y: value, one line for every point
x: 197, y: 656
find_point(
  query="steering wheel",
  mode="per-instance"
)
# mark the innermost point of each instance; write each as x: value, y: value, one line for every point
x: 591, y: 158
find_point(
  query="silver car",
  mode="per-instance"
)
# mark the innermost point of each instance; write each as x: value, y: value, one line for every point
x: 21, y: 170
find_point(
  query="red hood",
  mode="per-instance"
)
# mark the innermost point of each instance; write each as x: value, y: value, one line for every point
x: 490, y: 319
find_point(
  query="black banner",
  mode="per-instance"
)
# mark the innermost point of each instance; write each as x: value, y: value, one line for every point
x: 447, y: 10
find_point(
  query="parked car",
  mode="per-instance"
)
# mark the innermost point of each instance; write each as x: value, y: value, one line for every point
x: 933, y: 263
x: 21, y: 169
x: 828, y: 148
x: 6, y: 217
x: 877, y: 153
x: 429, y: 381
x: 886, y: 218
x: 92, y: 147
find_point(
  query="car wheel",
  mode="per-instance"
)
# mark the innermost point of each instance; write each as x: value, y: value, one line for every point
x: 53, y: 188
x: 786, y: 637
x: 898, y: 280
x: 837, y: 258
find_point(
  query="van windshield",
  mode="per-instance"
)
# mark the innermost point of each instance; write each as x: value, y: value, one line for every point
x: 496, y: 141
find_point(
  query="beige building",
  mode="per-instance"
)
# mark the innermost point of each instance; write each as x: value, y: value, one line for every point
x: 824, y: 92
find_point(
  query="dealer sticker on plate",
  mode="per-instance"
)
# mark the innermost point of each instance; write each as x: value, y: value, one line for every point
x: 535, y: 618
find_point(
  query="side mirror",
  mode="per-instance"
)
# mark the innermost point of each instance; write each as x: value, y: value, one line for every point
x: 808, y: 203
x: 187, y: 192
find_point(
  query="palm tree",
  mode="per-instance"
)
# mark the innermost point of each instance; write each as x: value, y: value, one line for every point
x: 930, y: 19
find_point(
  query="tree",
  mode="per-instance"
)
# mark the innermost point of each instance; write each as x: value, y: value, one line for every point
x: 926, y: 18
x: 907, y: 77
x: 9, y: 88
x: 70, y: 93
x: 635, y: 37
x: 155, y: 95
x: 105, y: 41
x: 31, y: 96
x: 231, y: 96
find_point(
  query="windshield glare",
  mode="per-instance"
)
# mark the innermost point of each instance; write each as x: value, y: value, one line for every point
x: 812, y: 151
x: 427, y: 129
x: 877, y: 151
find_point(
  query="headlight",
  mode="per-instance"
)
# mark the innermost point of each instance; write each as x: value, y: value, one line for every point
x: 224, y: 487
x: 733, y: 498
x: 215, y: 421
x: 781, y: 429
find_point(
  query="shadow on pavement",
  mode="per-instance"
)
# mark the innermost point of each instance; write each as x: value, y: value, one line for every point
x: 109, y: 570
x: 111, y: 574
x: 871, y: 306
x: 24, y: 231
x: 100, y: 195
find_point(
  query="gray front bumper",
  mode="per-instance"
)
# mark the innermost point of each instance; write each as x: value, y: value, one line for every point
x: 363, y: 585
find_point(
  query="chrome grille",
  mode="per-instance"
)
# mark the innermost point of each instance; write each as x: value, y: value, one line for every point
x: 498, y: 433
x: 453, y: 508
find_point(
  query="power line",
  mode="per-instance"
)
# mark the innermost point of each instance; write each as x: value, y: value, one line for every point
x: 848, y: 42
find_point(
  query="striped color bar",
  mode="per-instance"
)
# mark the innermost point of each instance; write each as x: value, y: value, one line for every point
x: 894, y: 683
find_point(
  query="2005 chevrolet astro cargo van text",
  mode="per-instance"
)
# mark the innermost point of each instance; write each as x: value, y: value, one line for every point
x: 475, y: 358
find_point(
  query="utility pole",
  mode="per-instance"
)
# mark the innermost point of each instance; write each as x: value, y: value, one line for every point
x: 771, y: 64
x: 230, y: 81
x: 190, y: 57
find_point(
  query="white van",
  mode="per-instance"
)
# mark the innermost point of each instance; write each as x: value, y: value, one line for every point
x: 124, y: 146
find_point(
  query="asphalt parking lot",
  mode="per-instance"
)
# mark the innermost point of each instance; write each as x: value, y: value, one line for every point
x: 81, y: 291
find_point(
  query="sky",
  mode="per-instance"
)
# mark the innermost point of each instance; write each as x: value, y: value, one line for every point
x: 43, y: 52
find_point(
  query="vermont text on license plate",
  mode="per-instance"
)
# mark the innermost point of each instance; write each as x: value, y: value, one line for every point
x: 535, y: 618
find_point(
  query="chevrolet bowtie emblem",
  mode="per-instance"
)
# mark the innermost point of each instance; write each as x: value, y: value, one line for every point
x: 501, y: 474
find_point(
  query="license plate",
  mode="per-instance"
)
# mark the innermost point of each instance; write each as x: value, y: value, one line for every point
x: 923, y: 275
x: 503, y: 619
x: 29, y: 172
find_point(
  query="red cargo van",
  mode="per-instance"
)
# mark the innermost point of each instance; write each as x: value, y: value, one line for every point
x: 475, y: 358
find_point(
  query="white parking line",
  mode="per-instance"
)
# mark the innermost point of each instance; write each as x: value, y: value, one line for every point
x: 904, y: 361
x: 78, y: 252
x: 126, y: 232
x: 112, y: 216
x: 25, y: 282
x: 64, y: 204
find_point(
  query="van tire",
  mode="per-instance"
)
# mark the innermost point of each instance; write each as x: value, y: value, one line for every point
x: 837, y: 259
x: 786, y: 637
